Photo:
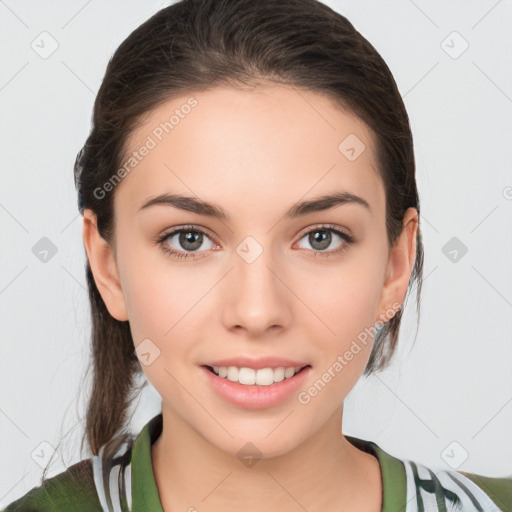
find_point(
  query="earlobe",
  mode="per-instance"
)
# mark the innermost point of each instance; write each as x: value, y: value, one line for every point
x: 104, y: 267
x: 401, y: 263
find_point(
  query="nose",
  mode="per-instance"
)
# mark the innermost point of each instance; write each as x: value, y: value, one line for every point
x: 256, y: 298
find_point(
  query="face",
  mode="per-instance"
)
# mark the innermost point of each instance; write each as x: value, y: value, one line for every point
x: 257, y: 282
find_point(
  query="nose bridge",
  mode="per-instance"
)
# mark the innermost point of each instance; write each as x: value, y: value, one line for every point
x: 256, y: 297
x: 253, y: 261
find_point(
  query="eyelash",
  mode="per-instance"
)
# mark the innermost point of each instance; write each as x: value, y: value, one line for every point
x: 347, y: 239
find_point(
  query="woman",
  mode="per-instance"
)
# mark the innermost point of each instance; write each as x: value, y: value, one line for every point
x: 251, y: 224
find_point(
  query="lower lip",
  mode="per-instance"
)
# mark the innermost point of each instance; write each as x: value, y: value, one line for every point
x: 255, y: 397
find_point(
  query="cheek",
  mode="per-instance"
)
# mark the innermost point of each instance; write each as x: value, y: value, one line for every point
x: 342, y: 304
x: 157, y: 310
x: 343, y: 338
x: 164, y: 306
x: 344, y: 299
x: 155, y: 289
x: 153, y: 294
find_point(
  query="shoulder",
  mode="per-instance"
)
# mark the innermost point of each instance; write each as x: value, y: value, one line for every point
x: 498, y: 489
x: 456, y: 490
x: 73, y: 489
x: 409, y: 486
x: 103, y: 482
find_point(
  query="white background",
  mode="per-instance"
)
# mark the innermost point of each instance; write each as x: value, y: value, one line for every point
x: 453, y: 384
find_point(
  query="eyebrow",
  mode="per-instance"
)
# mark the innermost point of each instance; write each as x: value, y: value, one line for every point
x: 192, y: 204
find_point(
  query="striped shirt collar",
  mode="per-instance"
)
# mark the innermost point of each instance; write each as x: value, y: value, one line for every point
x: 145, y: 492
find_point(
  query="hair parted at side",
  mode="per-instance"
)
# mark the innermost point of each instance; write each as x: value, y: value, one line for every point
x: 192, y: 45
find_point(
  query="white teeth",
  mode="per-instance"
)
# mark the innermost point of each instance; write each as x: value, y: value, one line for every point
x: 249, y: 376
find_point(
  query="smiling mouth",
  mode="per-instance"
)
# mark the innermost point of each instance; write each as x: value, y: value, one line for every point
x: 259, y: 377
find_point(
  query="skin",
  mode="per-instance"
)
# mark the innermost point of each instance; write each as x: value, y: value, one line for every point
x: 255, y: 152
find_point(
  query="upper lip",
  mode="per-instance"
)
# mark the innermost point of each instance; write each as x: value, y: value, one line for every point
x: 260, y: 362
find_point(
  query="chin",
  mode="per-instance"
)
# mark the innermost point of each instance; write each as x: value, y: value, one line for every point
x: 264, y: 442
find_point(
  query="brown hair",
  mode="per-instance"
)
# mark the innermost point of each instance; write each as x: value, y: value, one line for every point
x: 193, y: 45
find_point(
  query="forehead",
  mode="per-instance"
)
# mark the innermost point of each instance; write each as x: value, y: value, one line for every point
x: 268, y: 145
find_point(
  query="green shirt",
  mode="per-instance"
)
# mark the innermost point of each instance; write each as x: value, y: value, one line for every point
x: 126, y: 482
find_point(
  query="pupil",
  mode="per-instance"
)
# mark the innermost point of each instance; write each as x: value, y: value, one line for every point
x: 191, y: 238
x: 323, y: 238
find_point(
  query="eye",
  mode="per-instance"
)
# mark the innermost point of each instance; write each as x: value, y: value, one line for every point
x: 320, y: 238
x: 184, y: 242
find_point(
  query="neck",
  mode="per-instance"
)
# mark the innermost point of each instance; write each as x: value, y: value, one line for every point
x: 325, y: 473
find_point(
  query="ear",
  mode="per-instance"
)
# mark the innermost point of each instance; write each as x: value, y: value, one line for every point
x: 104, y: 267
x: 400, y: 265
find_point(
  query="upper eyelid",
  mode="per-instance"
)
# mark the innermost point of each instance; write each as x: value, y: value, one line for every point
x: 173, y: 231
x: 325, y: 227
